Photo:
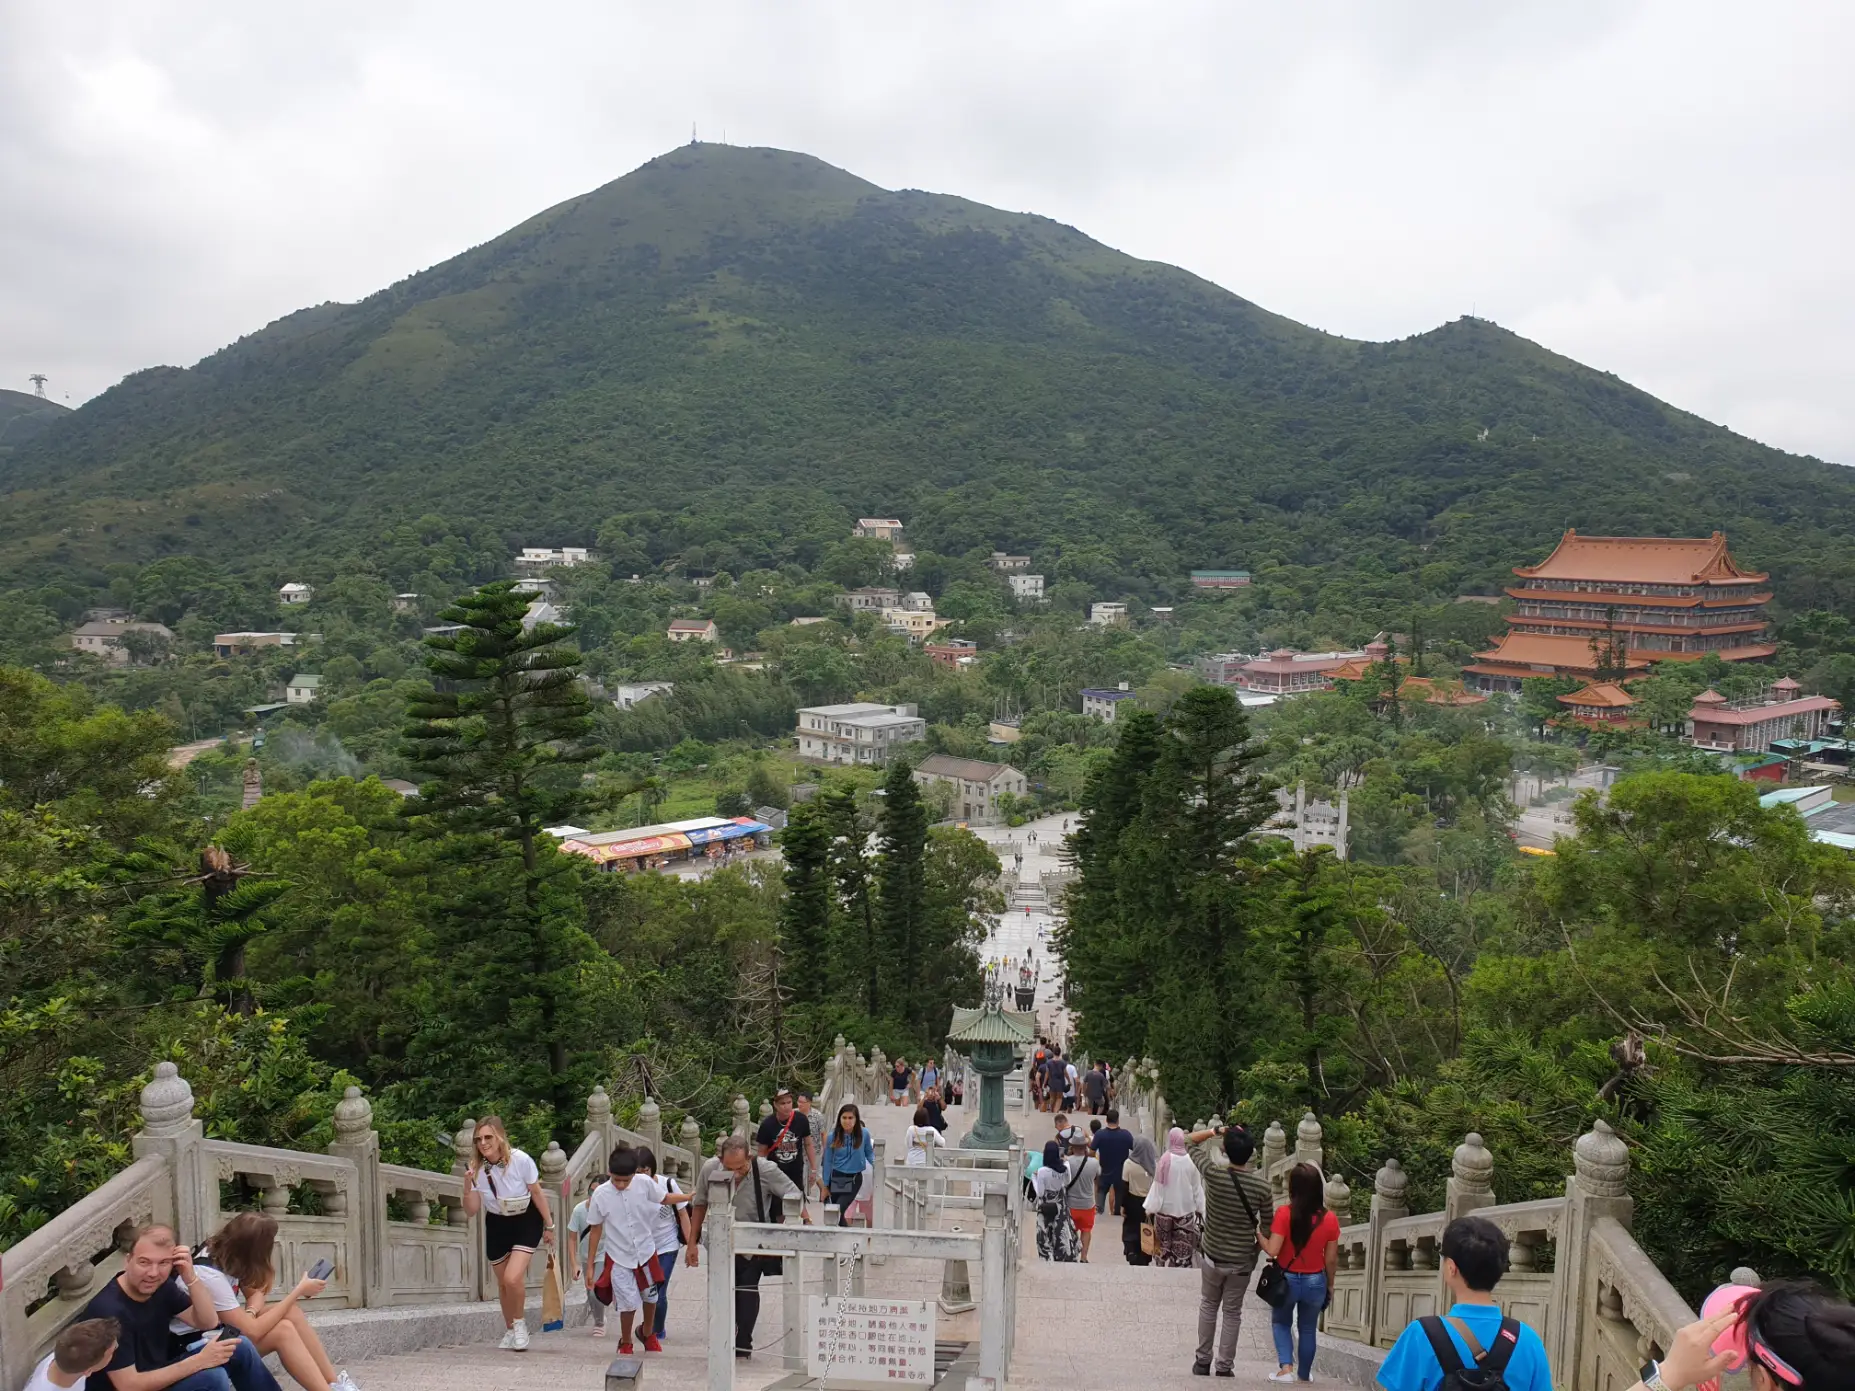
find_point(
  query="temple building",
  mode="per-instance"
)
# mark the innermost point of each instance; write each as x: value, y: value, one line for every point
x: 1750, y: 726
x: 1607, y: 606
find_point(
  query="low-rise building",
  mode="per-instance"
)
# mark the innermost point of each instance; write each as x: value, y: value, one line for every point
x: 1101, y: 615
x: 1288, y: 672
x: 292, y: 594
x: 534, y: 559
x: 871, y: 599
x: 879, y: 528
x: 540, y: 611
x: 1006, y: 564
x: 1220, y: 579
x: 976, y: 784
x: 917, y: 600
x: 302, y: 689
x: 953, y: 652
x: 913, y: 624
x: 857, y: 732
x: 904, y: 558
x: 244, y: 644
x: 628, y: 693
x: 693, y: 630
x: 103, y: 638
x: 405, y: 603
x: 1026, y: 589
x: 1600, y: 702
x: 1101, y: 703
x: 1222, y: 668
x: 1750, y: 726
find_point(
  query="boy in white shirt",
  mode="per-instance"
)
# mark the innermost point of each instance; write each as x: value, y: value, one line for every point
x: 622, y: 1234
x: 83, y: 1348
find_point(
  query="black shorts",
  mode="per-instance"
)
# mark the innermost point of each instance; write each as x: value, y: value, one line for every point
x: 501, y: 1235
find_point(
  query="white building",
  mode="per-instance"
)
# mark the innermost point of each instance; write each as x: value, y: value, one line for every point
x: 859, y: 732
x: 628, y: 694
x: 976, y: 783
x: 1005, y: 564
x: 917, y: 601
x: 904, y: 559
x: 535, y: 559
x: 693, y: 630
x: 302, y: 689
x: 103, y: 638
x: 1101, y: 704
x: 295, y: 594
x: 1101, y: 615
x: 871, y: 598
x: 1026, y: 589
x: 882, y: 528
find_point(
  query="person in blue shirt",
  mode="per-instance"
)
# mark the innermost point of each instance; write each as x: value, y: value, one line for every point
x: 846, y: 1155
x: 1474, y: 1255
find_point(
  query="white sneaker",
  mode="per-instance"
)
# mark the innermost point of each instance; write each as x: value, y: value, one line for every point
x: 344, y: 1382
x: 1279, y: 1377
x: 519, y: 1336
x: 508, y: 1341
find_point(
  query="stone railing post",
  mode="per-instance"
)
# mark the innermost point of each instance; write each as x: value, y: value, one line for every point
x: 1274, y: 1151
x: 690, y: 1138
x: 718, y: 1255
x: 650, y: 1126
x: 1390, y: 1189
x: 599, y: 1118
x: 553, y: 1166
x: 1598, y: 1187
x: 739, y: 1123
x: 1308, y: 1148
x: 356, y: 1140
x: 170, y: 1133
x: 1471, y: 1179
x: 994, y: 1279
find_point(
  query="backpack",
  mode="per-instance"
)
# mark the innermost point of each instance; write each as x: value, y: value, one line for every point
x: 1489, y: 1371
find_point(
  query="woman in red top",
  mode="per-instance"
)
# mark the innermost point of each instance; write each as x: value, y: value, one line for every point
x: 1302, y: 1239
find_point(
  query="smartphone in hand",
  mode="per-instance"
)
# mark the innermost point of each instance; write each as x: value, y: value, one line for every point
x: 322, y: 1269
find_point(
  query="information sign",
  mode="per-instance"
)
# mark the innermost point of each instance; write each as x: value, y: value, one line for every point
x: 869, y: 1342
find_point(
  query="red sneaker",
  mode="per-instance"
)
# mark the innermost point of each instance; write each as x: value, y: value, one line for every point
x: 652, y: 1345
x: 624, y: 1349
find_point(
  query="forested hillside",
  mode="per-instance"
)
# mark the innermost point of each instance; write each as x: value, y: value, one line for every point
x: 24, y: 417
x: 761, y: 346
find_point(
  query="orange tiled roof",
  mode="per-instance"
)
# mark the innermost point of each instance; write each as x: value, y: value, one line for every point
x: 1640, y: 560
x: 1543, y: 649
x: 1605, y: 695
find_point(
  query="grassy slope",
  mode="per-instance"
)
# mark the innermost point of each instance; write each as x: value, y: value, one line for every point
x: 741, y: 324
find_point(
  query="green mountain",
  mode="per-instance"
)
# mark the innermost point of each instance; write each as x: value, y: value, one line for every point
x: 24, y: 417
x: 738, y: 350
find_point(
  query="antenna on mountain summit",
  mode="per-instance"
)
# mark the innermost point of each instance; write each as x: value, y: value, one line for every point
x: 692, y: 133
x: 38, y: 380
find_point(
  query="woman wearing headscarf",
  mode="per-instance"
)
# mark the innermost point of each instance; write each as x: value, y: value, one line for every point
x: 1137, y: 1182
x: 1057, y: 1239
x: 1176, y: 1204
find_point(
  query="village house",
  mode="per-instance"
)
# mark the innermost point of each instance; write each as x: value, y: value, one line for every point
x: 976, y: 784
x: 103, y: 638
x: 918, y: 601
x: 1100, y: 703
x: 405, y: 603
x: 244, y: 644
x: 1102, y: 615
x: 953, y: 652
x: 629, y: 693
x: 1750, y: 726
x: 1608, y: 606
x: 1221, y: 668
x: 1220, y: 579
x: 858, y: 732
x: 871, y: 599
x: 292, y: 594
x: 534, y: 559
x: 1026, y: 589
x: 539, y: 611
x: 693, y: 630
x: 302, y: 689
x: 1006, y: 564
x: 913, y: 624
x: 878, y: 528
x: 904, y: 559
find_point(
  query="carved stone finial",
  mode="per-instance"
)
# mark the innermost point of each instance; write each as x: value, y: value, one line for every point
x: 1391, y: 1183
x: 839, y: 1045
x: 766, y: 1109
x: 167, y: 1102
x: 1274, y: 1143
x: 598, y: 1110
x: 1602, y: 1162
x: 354, y: 1117
x: 1308, y: 1138
x: 1473, y: 1166
x: 464, y: 1144
x: 739, y: 1112
x: 690, y: 1136
x: 649, y: 1114
x: 553, y: 1166
x: 1339, y: 1197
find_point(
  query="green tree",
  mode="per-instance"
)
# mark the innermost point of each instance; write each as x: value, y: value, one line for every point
x: 806, y: 917
x: 901, y: 886
x: 854, y: 872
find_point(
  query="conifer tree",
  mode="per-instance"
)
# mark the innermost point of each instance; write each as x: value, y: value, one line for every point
x: 901, y: 892
x: 853, y: 873
x: 805, y: 917
x: 499, y: 742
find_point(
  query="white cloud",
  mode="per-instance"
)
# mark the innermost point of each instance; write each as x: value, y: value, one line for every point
x: 1658, y: 189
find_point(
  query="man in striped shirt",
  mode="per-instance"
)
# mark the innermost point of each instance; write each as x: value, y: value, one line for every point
x: 1236, y: 1201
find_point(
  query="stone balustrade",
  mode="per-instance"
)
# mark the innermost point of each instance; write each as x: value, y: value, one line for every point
x: 397, y: 1236
x: 1576, y: 1276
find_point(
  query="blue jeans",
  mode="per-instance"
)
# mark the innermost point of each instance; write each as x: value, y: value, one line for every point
x: 1306, y: 1295
x: 246, y: 1371
x: 663, y: 1290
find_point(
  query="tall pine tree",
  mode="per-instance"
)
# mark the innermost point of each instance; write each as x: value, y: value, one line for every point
x: 859, y: 952
x: 498, y: 743
x: 805, y: 919
x: 901, y: 888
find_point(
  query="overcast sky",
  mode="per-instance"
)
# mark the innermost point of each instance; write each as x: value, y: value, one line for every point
x: 1662, y: 190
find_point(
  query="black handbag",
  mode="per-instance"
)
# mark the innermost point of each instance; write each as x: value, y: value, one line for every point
x: 1272, y: 1284
x: 767, y: 1265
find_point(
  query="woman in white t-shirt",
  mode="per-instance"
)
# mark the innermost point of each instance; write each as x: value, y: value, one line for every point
x: 922, y: 1137
x: 505, y: 1185
x: 238, y: 1264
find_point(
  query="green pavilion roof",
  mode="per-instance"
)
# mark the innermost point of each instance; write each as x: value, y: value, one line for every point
x: 992, y: 1026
